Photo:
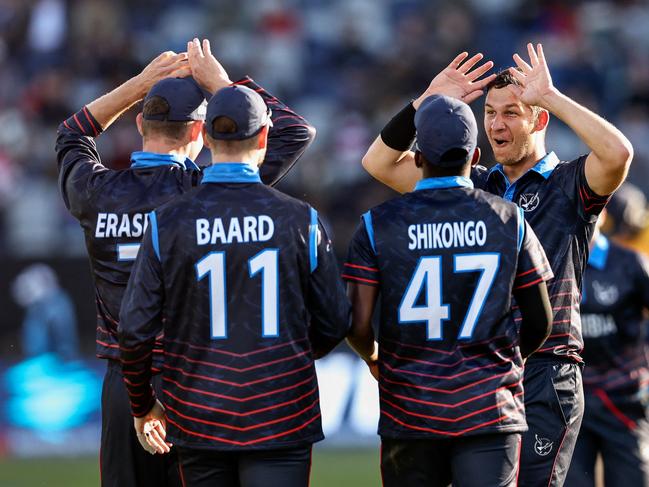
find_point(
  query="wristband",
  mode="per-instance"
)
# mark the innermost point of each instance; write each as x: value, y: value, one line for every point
x: 399, y: 133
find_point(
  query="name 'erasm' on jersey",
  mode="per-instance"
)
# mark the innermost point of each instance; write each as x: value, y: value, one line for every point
x: 112, y: 206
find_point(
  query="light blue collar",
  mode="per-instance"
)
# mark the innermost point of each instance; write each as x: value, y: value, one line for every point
x: 230, y: 172
x: 142, y: 159
x: 599, y: 253
x: 442, y: 183
x: 544, y: 167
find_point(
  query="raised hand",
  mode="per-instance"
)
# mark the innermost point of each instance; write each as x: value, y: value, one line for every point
x: 460, y: 80
x: 166, y: 65
x: 205, y: 68
x: 535, y: 79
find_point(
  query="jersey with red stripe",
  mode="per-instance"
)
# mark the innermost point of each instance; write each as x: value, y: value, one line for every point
x: 249, y: 286
x: 112, y: 206
x: 614, y: 300
x: 562, y: 210
x: 446, y: 258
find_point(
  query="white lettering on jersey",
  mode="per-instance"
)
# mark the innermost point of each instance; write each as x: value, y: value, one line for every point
x: 249, y: 229
x: 447, y: 235
x: 113, y: 225
x: 597, y: 325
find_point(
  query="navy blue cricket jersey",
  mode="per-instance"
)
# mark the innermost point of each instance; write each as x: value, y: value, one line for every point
x: 112, y: 206
x: 248, y: 284
x: 446, y: 258
x: 562, y: 210
x: 614, y: 300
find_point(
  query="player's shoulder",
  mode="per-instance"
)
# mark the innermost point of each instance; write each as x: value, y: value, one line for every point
x: 568, y: 169
x: 494, y: 203
x: 396, y: 204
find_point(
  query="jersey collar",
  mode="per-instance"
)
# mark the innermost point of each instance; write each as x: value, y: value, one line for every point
x: 443, y: 183
x: 142, y: 159
x: 231, y: 172
x: 544, y: 167
x: 599, y: 253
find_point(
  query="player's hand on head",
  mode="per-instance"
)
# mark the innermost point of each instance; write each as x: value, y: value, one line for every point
x: 205, y: 68
x: 462, y: 79
x: 534, y: 77
x: 166, y: 65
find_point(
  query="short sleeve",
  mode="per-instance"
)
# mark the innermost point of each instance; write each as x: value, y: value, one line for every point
x: 533, y: 266
x: 361, y: 265
x: 589, y: 203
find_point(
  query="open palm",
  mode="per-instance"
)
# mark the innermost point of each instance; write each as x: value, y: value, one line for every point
x: 535, y: 79
x: 459, y: 80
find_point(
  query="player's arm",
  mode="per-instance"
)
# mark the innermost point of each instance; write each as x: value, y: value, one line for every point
x: 611, y: 152
x: 326, y: 301
x: 530, y: 290
x: 536, y: 311
x: 290, y: 134
x: 362, y: 275
x: 80, y: 167
x: 361, y: 334
x: 389, y: 159
x: 140, y: 322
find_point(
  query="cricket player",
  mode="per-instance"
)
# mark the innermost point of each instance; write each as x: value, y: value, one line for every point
x: 445, y: 260
x: 560, y: 200
x: 243, y: 282
x: 112, y: 208
x: 614, y: 305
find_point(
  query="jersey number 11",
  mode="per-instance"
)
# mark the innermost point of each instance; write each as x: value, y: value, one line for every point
x: 265, y: 262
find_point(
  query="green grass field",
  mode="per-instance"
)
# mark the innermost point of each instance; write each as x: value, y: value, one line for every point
x: 338, y: 468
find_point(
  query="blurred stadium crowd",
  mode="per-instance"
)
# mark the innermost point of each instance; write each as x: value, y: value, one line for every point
x: 347, y: 65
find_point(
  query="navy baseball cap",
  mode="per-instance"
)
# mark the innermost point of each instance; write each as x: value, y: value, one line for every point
x: 185, y: 97
x: 245, y: 107
x: 444, y: 125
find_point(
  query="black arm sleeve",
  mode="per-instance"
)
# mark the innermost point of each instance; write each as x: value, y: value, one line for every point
x: 536, y: 311
x: 79, y: 164
x: 327, y: 300
x: 288, y: 138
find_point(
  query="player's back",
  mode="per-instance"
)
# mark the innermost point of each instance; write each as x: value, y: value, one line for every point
x: 236, y: 263
x: 615, y: 297
x: 447, y: 263
x: 113, y: 213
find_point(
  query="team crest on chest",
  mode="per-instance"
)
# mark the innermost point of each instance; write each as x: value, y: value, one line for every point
x: 605, y: 293
x: 542, y: 446
x: 528, y: 201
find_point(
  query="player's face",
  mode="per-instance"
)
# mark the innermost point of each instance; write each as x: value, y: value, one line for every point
x: 510, y: 126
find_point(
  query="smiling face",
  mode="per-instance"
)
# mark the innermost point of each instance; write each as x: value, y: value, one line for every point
x: 512, y: 127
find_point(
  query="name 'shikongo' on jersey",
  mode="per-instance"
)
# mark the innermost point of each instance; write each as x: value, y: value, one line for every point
x: 614, y: 301
x: 248, y: 285
x: 112, y: 206
x: 446, y: 258
x: 562, y: 210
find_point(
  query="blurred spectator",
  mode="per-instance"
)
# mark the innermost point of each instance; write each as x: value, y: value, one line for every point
x: 50, y: 324
x: 346, y: 64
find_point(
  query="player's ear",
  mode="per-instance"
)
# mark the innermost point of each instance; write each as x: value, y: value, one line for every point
x: 196, y: 129
x: 475, y: 158
x: 542, y: 120
x: 138, y: 122
x: 263, y: 138
x: 206, y: 140
x: 418, y: 161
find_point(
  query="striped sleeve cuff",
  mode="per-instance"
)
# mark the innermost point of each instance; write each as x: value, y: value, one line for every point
x: 361, y: 274
x: 84, y: 123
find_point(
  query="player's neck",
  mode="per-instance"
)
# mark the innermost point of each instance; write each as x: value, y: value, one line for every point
x: 249, y: 158
x: 160, y: 147
x: 516, y: 170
